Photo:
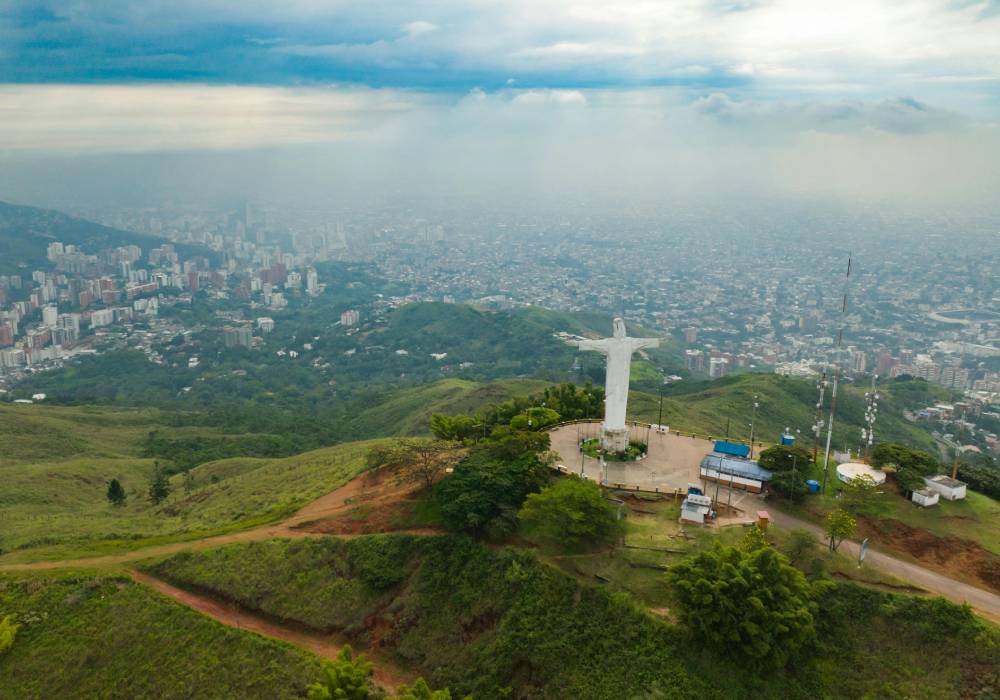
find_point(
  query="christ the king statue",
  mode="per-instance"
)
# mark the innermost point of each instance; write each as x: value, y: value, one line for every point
x: 619, y: 349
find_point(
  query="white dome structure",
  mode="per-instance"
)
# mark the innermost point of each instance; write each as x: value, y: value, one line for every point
x: 852, y: 470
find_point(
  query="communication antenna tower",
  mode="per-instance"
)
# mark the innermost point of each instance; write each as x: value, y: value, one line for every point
x: 871, y: 413
x: 817, y: 427
x: 836, y: 374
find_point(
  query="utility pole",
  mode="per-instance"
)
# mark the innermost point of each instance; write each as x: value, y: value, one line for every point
x: 659, y: 419
x: 818, y: 424
x: 752, y: 422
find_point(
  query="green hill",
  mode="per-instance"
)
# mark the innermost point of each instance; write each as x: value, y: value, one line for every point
x: 498, y: 623
x: 709, y: 407
x: 53, y: 510
x: 107, y: 637
x: 25, y: 233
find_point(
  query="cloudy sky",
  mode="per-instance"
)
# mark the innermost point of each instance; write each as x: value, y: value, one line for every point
x: 897, y: 98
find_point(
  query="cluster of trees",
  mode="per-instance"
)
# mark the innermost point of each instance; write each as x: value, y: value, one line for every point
x: 910, y: 465
x: 350, y: 678
x: 982, y: 473
x: 746, y: 600
x: 790, y: 465
x: 499, y: 476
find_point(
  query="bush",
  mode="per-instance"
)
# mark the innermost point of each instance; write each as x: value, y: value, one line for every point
x: 571, y: 514
x: 8, y: 630
x: 782, y: 458
x: 749, y: 602
x: 485, y: 492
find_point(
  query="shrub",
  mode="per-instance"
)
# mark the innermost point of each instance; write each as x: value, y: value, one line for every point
x: 571, y: 514
x: 8, y: 630
x: 751, y: 602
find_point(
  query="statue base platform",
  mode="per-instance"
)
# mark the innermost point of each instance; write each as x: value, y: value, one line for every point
x: 614, y: 439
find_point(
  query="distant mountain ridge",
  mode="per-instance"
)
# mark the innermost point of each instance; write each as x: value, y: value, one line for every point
x: 25, y: 233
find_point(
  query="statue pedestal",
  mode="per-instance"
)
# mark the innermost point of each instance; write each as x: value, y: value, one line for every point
x: 614, y: 439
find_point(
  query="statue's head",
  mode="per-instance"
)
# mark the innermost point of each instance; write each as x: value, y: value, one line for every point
x: 619, y: 326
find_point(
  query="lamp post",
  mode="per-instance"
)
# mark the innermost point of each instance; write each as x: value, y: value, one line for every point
x: 753, y: 420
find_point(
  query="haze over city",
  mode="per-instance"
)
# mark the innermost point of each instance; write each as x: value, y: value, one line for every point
x: 500, y: 349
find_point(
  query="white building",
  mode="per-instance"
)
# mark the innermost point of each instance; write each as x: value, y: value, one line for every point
x: 948, y: 488
x: 696, y: 508
x: 350, y: 318
x: 925, y: 497
x: 50, y: 315
x: 265, y: 324
x: 102, y: 317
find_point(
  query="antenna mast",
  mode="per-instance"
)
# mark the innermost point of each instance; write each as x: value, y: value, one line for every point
x: 817, y: 427
x: 871, y: 413
x: 836, y: 375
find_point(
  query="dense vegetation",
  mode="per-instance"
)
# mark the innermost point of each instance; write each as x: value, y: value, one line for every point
x: 497, y: 623
x: 106, y: 637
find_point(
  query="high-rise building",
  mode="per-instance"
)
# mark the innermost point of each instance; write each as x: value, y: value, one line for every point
x: 690, y: 335
x: 350, y: 318
x: 312, y: 281
x: 694, y: 360
x: 50, y: 315
x: 237, y: 336
x: 718, y: 367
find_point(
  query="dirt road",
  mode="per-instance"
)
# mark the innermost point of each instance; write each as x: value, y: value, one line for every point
x: 326, y: 646
x: 985, y: 602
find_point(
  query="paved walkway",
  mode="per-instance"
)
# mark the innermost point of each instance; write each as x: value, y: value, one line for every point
x: 672, y: 463
x: 987, y: 603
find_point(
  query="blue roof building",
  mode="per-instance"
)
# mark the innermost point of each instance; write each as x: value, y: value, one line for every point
x: 734, y: 449
x: 735, y: 466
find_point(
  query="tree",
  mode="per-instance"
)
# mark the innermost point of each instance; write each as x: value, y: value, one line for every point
x: 537, y: 418
x: 347, y: 678
x: 751, y: 602
x: 888, y: 453
x: 507, y: 443
x: 421, y: 691
x: 791, y: 485
x: 188, y: 481
x: 839, y: 526
x: 783, y: 458
x: 573, y: 402
x: 484, y: 493
x: 159, y: 487
x: 571, y: 514
x: 456, y: 428
x: 859, y: 492
x: 116, y: 494
x: 8, y: 630
x: 415, y: 459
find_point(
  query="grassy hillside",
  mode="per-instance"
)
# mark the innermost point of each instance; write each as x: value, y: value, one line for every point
x: 37, y: 433
x: 25, y: 233
x: 59, y: 510
x: 708, y: 407
x: 408, y: 411
x: 91, y: 637
x: 498, y: 624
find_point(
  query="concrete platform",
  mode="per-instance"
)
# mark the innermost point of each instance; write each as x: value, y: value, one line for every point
x: 672, y: 462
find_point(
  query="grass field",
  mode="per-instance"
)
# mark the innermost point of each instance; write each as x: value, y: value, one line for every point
x: 499, y: 623
x: 59, y: 510
x: 37, y: 433
x: 107, y: 637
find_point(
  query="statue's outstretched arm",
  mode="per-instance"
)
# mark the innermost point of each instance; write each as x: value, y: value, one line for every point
x: 642, y: 343
x: 586, y: 344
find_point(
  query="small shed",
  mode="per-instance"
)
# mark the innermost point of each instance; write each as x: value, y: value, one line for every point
x: 695, y: 508
x: 925, y: 497
x: 734, y: 472
x: 763, y: 519
x: 948, y: 488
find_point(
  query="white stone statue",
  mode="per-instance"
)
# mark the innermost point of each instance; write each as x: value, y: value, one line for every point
x: 619, y: 349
